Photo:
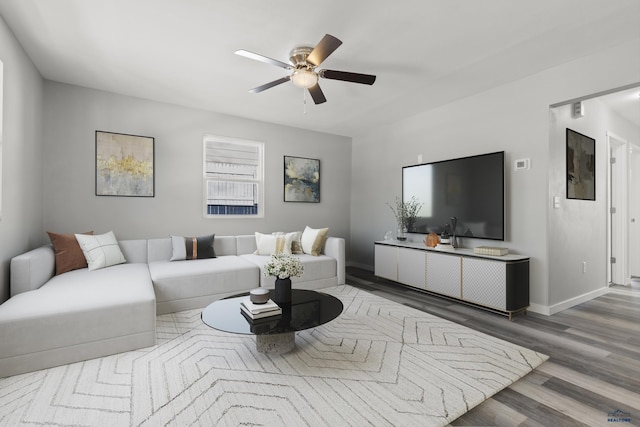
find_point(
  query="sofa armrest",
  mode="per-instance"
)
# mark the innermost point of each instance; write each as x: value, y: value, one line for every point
x: 334, y: 247
x: 32, y: 269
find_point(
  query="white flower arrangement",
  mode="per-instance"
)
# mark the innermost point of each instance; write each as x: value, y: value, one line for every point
x: 283, y: 266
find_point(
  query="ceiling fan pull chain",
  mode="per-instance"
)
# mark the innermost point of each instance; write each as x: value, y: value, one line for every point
x: 304, y: 101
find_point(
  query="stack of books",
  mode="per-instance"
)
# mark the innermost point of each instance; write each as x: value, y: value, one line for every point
x: 259, y: 311
x: 490, y: 250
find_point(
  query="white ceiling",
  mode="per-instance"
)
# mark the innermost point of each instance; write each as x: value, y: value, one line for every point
x: 424, y: 52
x: 626, y: 103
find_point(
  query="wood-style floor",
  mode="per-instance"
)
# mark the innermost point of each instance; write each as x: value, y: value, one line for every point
x: 591, y: 378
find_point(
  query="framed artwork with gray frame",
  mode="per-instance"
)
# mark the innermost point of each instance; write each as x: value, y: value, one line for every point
x: 301, y: 179
x: 581, y: 166
x: 124, y: 165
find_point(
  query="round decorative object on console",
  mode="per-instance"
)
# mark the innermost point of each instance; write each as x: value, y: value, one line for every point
x: 432, y: 240
x: 259, y: 296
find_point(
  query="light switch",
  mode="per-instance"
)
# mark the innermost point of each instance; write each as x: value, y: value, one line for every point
x: 522, y: 164
x: 556, y: 202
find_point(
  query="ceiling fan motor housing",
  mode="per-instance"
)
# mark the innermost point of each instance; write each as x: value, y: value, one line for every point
x: 298, y: 57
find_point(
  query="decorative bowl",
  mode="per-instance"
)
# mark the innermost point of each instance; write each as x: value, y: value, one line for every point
x: 259, y: 296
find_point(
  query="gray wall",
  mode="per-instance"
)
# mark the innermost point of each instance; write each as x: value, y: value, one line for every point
x: 49, y: 149
x: 22, y: 176
x: 513, y: 117
x: 73, y: 114
x: 581, y: 221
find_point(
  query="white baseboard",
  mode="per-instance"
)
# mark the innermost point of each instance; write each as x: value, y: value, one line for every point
x: 539, y: 309
x: 556, y: 308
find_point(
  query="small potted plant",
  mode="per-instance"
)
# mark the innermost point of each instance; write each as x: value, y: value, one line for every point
x: 283, y: 267
x: 406, y: 214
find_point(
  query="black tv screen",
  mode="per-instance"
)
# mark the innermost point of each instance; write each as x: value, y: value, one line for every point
x: 470, y: 189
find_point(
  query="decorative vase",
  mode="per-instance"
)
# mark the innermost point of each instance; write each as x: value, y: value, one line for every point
x: 283, y: 290
x: 402, y: 234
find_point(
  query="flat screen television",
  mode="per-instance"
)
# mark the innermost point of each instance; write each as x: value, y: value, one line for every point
x: 471, y: 189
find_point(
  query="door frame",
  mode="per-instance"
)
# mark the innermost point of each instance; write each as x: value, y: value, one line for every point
x: 633, y: 176
x: 619, y: 238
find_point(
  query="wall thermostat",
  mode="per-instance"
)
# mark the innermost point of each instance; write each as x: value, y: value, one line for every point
x: 522, y: 164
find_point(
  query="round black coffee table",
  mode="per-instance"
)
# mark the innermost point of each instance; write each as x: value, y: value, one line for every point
x: 307, y: 309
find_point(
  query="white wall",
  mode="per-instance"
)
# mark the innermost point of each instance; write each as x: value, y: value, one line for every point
x: 22, y: 176
x: 513, y: 118
x: 578, y: 229
x: 73, y: 114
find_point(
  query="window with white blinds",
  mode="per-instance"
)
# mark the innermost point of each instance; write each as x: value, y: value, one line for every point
x: 233, y: 177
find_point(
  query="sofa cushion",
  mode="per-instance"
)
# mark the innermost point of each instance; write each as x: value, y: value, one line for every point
x: 68, y: 253
x: 190, y: 279
x: 246, y: 244
x: 190, y: 248
x: 225, y: 245
x: 134, y: 251
x: 77, y: 307
x: 315, y: 268
x: 101, y: 250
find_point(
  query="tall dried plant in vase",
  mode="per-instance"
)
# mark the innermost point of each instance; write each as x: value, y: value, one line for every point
x: 406, y: 214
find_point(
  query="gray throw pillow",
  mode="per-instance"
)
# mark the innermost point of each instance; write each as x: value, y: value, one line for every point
x: 188, y: 248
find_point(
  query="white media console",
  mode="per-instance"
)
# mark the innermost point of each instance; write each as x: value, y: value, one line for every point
x: 496, y: 283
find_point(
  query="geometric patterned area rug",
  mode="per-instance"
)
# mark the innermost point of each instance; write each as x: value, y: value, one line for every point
x: 379, y: 363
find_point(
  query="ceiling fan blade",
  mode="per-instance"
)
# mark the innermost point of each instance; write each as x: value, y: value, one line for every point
x: 317, y: 95
x: 366, y: 79
x: 323, y: 49
x: 263, y: 58
x: 270, y: 84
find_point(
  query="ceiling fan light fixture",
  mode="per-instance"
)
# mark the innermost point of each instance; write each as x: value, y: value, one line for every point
x: 304, y: 78
x: 303, y: 63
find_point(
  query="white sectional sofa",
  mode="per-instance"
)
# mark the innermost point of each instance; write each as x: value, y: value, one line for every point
x: 53, y: 320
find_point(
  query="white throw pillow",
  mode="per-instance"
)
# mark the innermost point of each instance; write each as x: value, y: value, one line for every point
x: 269, y: 244
x: 313, y: 240
x: 293, y: 240
x: 100, y: 250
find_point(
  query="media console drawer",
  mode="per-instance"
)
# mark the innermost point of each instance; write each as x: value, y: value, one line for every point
x: 496, y: 283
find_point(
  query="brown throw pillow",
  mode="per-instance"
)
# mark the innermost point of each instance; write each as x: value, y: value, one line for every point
x: 68, y: 254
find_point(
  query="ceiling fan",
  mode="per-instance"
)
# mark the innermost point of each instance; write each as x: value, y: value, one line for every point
x: 304, y: 63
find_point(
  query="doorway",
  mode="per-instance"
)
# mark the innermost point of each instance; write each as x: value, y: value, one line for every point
x: 634, y: 212
x: 617, y: 230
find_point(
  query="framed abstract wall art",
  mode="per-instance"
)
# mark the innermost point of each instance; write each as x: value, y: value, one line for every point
x: 301, y: 179
x: 581, y: 166
x: 124, y: 165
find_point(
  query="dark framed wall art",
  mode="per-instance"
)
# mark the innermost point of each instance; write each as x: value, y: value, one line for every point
x: 581, y: 166
x: 124, y: 165
x: 301, y: 179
